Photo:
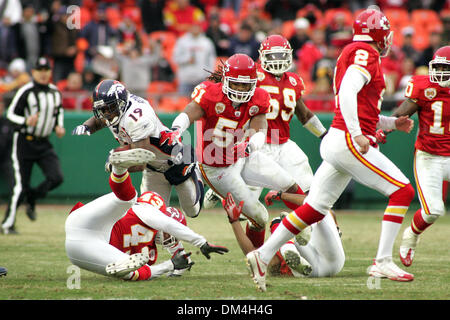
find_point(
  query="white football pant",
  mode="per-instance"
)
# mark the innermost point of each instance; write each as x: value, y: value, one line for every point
x: 341, y: 163
x: 257, y: 170
x: 430, y: 171
x: 88, y: 231
x: 324, y: 250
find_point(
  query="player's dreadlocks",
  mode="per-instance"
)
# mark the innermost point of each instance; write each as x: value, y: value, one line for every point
x: 216, y: 76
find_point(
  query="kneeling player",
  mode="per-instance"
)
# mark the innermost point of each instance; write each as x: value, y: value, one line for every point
x: 115, y: 234
x: 316, y: 252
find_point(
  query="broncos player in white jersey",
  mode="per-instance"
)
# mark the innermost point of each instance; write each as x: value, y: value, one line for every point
x: 133, y: 122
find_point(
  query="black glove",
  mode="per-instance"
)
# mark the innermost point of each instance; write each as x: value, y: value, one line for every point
x: 207, y: 248
x: 181, y: 260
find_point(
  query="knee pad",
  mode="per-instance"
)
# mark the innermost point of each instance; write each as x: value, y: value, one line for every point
x: 403, y: 196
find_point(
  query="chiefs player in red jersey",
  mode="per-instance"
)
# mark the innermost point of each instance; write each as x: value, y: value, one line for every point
x: 349, y: 151
x: 116, y: 234
x: 233, y: 111
x: 429, y: 96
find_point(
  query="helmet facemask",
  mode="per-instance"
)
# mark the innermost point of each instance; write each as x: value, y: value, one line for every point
x: 276, y: 61
x: 236, y: 95
x: 439, y: 71
x: 110, y: 112
x: 386, y: 47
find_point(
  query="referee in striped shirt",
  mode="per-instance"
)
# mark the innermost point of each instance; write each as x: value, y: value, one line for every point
x: 35, y: 112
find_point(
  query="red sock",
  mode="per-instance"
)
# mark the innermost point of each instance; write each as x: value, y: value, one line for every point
x: 256, y: 237
x: 143, y: 273
x: 302, y: 217
x: 418, y: 225
x: 291, y: 205
x: 121, y: 186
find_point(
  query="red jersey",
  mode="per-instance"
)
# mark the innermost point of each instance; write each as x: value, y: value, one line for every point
x: 224, y: 125
x: 369, y: 98
x: 284, y: 94
x: 131, y: 235
x: 434, y: 114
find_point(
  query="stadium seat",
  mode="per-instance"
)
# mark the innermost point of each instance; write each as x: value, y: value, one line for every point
x: 173, y: 103
x: 316, y: 12
x: 398, y: 18
x: 426, y: 20
x: 420, y: 39
x: 330, y: 15
x: 114, y: 16
x: 62, y: 84
x: 85, y: 16
x: 161, y: 87
x: 288, y: 29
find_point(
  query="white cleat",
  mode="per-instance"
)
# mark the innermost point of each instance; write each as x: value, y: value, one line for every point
x: 130, y: 158
x: 257, y: 269
x: 127, y: 265
x: 298, y: 265
x: 386, y: 268
x: 408, y: 246
x: 211, y: 199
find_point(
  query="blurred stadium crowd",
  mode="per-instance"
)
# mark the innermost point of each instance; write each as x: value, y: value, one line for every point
x: 161, y: 49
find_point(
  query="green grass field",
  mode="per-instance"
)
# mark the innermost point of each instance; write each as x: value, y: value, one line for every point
x: 38, y: 267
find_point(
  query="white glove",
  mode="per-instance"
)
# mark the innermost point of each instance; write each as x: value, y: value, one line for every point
x: 81, y: 130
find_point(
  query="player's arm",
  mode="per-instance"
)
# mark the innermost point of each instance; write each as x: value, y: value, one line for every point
x: 155, y: 219
x: 233, y: 213
x: 294, y: 198
x: 90, y: 126
x: 258, y: 132
x: 354, y: 80
x: 309, y: 120
x: 407, y: 108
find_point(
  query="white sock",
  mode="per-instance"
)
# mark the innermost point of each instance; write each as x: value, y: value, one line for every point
x: 280, y: 236
x: 389, y: 231
x: 119, y: 170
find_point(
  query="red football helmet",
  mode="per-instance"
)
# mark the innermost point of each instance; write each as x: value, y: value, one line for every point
x: 439, y: 67
x: 153, y: 199
x: 371, y: 25
x: 165, y: 239
x: 239, y: 78
x: 275, y: 54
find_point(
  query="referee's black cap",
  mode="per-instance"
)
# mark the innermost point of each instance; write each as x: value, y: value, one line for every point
x: 42, y: 63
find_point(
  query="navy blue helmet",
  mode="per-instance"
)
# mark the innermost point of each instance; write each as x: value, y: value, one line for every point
x: 110, y: 101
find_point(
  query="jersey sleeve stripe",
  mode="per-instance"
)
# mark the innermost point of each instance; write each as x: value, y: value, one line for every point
x: 362, y: 70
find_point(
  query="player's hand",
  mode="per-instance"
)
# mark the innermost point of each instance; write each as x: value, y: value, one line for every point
x: 271, y: 196
x: 207, y: 248
x: 241, y: 150
x: 81, y: 130
x: 60, y: 131
x: 380, y: 136
x: 404, y: 123
x: 363, y: 143
x: 181, y: 260
x: 32, y: 120
x: 231, y: 209
x: 170, y: 136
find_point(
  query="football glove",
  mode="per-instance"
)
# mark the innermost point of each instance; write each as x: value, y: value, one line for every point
x: 170, y: 136
x: 207, y: 248
x: 380, y: 136
x: 181, y: 260
x: 271, y: 196
x: 231, y: 209
x: 81, y: 130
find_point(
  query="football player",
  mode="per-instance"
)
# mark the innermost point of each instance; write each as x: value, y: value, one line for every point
x: 349, y: 151
x: 116, y: 234
x: 286, y: 90
x: 234, y: 127
x: 429, y: 96
x: 133, y: 122
x: 316, y: 251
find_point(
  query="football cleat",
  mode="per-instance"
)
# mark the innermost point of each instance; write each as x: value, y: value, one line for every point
x: 3, y: 271
x: 211, y: 199
x: 257, y: 269
x: 130, y: 158
x: 304, y: 236
x: 386, y: 268
x: 408, y: 246
x: 298, y: 265
x: 123, y: 267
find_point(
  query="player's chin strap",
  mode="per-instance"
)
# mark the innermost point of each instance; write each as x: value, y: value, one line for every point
x: 316, y: 127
